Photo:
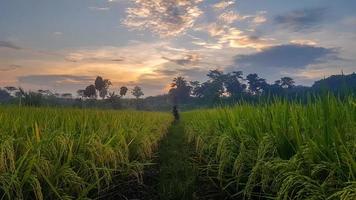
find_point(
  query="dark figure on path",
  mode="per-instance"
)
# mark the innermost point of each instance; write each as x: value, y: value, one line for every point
x: 175, y: 113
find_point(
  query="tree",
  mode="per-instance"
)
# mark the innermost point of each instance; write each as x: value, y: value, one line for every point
x: 4, y: 95
x: 233, y: 83
x: 11, y: 88
x: 29, y: 98
x: 256, y: 84
x: 277, y: 83
x: 90, y: 91
x: 195, y: 88
x: 45, y: 93
x: 287, y: 82
x: 103, y: 93
x: 123, y: 91
x: 114, y: 99
x: 214, y: 87
x: 102, y: 85
x: 80, y: 93
x: 337, y: 82
x: 67, y: 95
x: 137, y: 92
x: 180, y: 90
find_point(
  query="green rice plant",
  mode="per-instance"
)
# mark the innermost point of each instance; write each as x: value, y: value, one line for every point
x: 279, y: 150
x: 50, y: 153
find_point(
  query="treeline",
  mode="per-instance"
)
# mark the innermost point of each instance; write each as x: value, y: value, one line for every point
x: 219, y: 88
x: 101, y: 88
x: 88, y: 97
x: 234, y: 86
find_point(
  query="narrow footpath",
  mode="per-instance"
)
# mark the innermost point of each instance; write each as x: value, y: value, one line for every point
x: 177, y: 176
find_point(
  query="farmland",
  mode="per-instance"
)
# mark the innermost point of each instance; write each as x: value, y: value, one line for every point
x: 281, y: 150
x: 275, y: 150
x: 53, y: 153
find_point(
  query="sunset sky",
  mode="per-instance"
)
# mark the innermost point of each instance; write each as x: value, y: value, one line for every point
x: 63, y: 44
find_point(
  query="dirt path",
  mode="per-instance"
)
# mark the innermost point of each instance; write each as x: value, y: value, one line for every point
x: 177, y: 177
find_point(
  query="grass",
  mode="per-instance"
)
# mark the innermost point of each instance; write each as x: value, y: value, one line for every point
x: 177, y: 180
x: 48, y: 153
x: 281, y: 150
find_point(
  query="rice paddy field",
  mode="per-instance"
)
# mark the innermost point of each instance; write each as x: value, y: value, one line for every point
x: 281, y: 150
x: 59, y: 153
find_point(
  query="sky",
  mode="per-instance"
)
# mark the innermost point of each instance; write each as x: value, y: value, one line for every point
x: 63, y: 45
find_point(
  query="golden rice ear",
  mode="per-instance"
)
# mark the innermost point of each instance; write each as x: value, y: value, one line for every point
x: 279, y: 150
x: 63, y: 153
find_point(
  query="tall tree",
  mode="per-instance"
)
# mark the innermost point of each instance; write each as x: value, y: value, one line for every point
x: 4, y: 95
x: 90, y: 91
x: 137, y: 92
x: 123, y: 91
x: 287, y: 82
x: 196, y: 88
x: 180, y: 90
x: 214, y: 87
x: 102, y: 85
x: 234, y: 85
x: 256, y: 84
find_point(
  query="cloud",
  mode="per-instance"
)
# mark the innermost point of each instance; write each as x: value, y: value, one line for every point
x: 57, y: 33
x: 166, y: 18
x: 223, y: 4
x: 131, y: 55
x: 9, y: 68
x: 287, y: 56
x: 207, y: 44
x: 186, y: 72
x: 104, y: 54
x: 55, y: 80
x: 232, y: 37
x: 238, y: 39
x: 304, y: 19
x: 259, y: 19
x: 226, y: 34
x: 303, y: 42
x: 187, y: 60
x: 230, y: 16
x: 10, y: 45
x: 94, y: 8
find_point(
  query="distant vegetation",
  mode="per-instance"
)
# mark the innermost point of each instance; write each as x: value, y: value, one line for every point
x: 220, y: 89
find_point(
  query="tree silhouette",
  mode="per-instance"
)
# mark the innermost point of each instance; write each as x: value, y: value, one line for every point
x: 80, y: 93
x: 66, y: 95
x: 234, y: 85
x: 123, y: 91
x: 102, y: 85
x: 90, y: 91
x: 11, y: 88
x: 214, y: 87
x: 180, y: 90
x: 137, y: 92
x: 256, y: 84
x: 287, y: 82
x: 4, y: 95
